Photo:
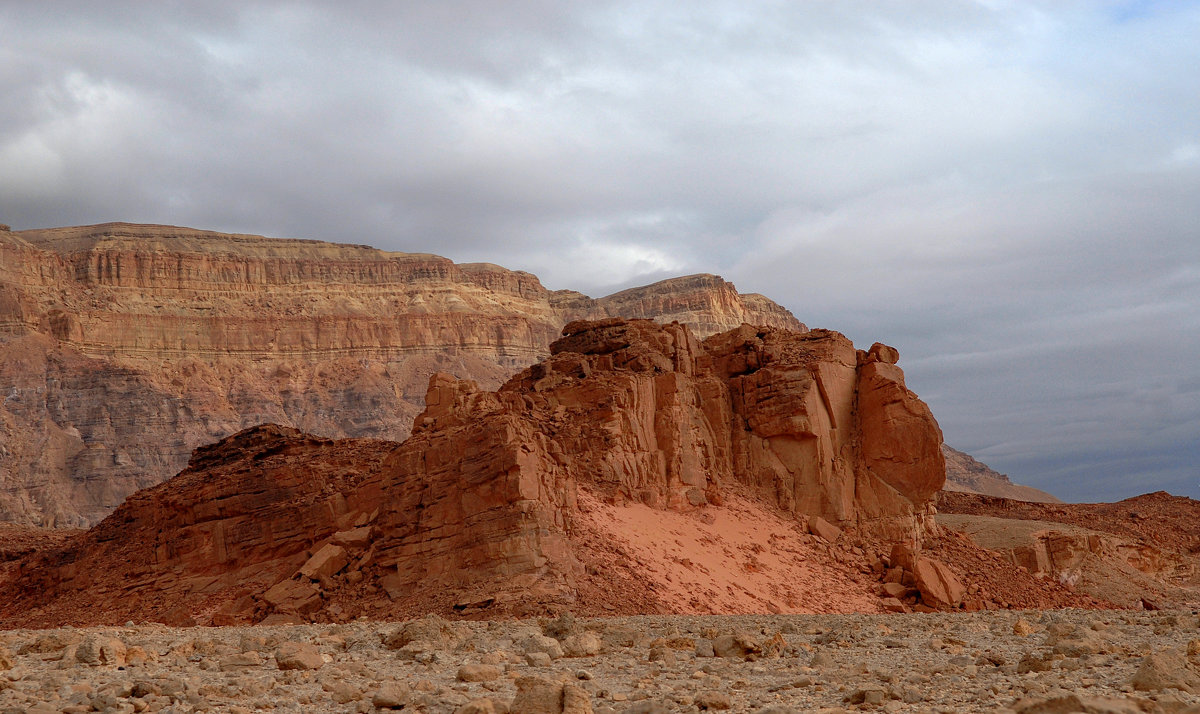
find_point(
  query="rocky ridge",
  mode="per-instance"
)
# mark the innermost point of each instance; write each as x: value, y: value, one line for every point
x: 967, y: 475
x: 792, y: 453
x: 1140, y: 552
x: 123, y: 347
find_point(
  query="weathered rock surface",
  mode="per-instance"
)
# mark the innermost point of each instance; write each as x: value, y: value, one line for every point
x: 123, y: 347
x: 483, y: 502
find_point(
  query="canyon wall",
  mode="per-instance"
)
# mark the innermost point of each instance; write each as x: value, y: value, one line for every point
x: 481, y: 506
x: 123, y: 347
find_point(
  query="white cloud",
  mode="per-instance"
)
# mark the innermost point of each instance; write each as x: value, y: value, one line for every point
x: 1011, y: 184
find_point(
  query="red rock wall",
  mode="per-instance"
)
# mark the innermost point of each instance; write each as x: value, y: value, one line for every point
x: 481, y: 501
x: 123, y: 347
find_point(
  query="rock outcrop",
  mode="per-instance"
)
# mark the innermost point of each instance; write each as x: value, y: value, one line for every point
x: 965, y: 474
x: 123, y: 347
x: 482, y: 504
x: 1142, y: 549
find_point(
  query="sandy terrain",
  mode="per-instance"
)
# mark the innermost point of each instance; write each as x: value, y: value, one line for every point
x: 739, y: 558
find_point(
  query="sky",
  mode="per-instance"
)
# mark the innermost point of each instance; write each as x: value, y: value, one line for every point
x: 1007, y: 192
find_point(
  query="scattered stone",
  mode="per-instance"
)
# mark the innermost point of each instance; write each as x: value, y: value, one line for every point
x: 935, y: 663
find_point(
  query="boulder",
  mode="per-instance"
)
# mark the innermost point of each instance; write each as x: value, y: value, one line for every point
x: 294, y: 596
x: 536, y: 695
x: 101, y: 650
x: 582, y: 644
x: 938, y: 585
x: 736, y: 646
x: 325, y: 563
x: 299, y: 655
x: 824, y: 529
x: 353, y: 539
x: 478, y: 673
x: 1165, y: 670
x: 391, y: 695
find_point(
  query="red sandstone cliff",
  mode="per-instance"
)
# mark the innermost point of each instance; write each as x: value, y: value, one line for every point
x: 123, y: 347
x: 486, y: 504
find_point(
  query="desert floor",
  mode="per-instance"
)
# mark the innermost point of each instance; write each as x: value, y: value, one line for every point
x: 1024, y: 661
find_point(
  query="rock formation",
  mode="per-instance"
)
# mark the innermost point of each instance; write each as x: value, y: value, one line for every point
x: 965, y: 474
x: 1142, y: 549
x: 123, y: 347
x: 486, y: 501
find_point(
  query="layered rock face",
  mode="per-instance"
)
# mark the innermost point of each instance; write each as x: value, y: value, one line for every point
x: 482, y: 503
x: 123, y: 347
x: 646, y: 412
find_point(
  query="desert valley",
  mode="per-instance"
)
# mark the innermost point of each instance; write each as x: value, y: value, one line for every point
x: 244, y: 474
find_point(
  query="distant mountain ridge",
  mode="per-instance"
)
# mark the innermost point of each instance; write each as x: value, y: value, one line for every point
x: 125, y: 346
x: 965, y: 474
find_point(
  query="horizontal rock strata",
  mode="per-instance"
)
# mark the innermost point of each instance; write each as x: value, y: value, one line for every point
x: 482, y: 504
x: 123, y: 347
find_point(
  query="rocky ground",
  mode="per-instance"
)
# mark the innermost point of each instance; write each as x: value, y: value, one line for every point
x: 1027, y: 661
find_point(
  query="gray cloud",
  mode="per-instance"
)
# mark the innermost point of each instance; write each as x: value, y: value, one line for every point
x: 1005, y: 191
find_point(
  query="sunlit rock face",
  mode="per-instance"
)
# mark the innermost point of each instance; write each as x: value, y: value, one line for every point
x: 123, y: 347
x: 485, y: 501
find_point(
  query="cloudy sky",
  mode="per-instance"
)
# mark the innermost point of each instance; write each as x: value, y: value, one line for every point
x: 1009, y: 192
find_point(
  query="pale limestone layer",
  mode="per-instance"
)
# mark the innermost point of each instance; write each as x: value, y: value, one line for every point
x: 123, y: 347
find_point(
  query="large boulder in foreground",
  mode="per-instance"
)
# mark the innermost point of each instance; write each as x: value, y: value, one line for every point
x: 480, y: 503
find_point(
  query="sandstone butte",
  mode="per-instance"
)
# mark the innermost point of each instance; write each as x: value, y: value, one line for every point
x: 533, y: 497
x: 123, y: 347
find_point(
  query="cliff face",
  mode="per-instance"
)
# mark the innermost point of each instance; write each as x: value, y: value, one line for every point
x: 482, y: 505
x: 123, y: 347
